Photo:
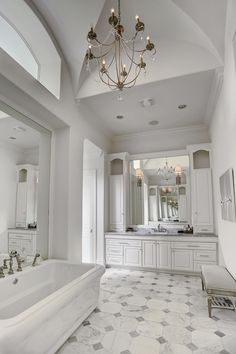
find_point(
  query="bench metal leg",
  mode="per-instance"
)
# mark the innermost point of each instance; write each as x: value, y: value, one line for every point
x: 202, y: 283
x: 209, y: 301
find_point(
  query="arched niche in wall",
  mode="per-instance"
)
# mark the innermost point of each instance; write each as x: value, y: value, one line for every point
x: 24, y: 38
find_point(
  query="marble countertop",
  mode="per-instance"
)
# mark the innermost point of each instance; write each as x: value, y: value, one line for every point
x: 163, y: 236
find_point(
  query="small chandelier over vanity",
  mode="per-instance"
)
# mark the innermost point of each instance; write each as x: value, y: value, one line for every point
x: 119, y: 60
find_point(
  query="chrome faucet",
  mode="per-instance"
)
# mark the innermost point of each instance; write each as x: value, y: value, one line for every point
x: 11, y: 266
x: 19, y: 262
x: 37, y: 255
x: 2, y: 275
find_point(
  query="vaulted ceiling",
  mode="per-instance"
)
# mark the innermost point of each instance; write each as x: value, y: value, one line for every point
x: 189, y: 36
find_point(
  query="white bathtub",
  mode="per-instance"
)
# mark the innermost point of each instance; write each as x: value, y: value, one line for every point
x: 42, y: 306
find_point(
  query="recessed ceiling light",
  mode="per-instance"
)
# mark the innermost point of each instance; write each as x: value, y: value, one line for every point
x: 182, y: 106
x: 147, y: 102
x: 12, y: 138
x: 19, y: 129
x: 153, y: 122
x: 119, y: 116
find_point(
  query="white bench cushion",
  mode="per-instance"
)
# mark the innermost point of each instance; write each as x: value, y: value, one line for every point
x: 218, y: 280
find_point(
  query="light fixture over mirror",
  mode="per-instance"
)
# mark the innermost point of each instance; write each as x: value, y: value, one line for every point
x: 119, y: 60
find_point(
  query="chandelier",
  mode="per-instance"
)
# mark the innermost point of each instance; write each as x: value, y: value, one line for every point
x: 119, y: 60
x: 166, y: 172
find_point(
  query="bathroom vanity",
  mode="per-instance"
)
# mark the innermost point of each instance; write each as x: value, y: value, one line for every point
x: 170, y: 252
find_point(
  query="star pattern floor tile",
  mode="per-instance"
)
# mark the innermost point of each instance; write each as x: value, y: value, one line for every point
x: 138, y: 314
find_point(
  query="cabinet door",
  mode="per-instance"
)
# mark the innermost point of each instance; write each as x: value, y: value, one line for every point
x: 202, y: 200
x: 116, y: 202
x: 182, y: 259
x: 163, y: 255
x: 21, y: 204
x: 14, y: 245
x: 149, y: 254
x: 132, y: 256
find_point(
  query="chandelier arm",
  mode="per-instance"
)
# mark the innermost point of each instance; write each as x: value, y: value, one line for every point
x: 105, y: 82
x: 134, y: 79
x: 102, y: 55
x: 111, y: 62
x: 131, y: 63
x: 131, y: 58
x: 117, y: 67
x: 135, y: 51
x: 108, y: 76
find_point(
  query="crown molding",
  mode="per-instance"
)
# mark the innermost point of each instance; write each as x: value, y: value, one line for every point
x: 216, y: 87
x: 158, y: 132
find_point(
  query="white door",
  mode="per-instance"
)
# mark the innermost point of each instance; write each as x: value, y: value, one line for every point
x: 149, y: 254
x: 163, y: 255
x: 132, y: 256
x: 182, y: 259
x: 89, y: 231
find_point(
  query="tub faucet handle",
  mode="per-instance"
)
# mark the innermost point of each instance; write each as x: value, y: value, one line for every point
x: 37, y: 256
x: 2, y: 275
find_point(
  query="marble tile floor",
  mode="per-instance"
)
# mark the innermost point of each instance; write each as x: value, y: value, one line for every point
x: 153, y: 313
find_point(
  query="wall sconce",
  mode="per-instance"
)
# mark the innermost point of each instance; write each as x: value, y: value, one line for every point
x: 139, y: 176
x: 178, y: 172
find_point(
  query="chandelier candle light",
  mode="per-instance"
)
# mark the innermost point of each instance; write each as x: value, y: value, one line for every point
x: 119, y: 60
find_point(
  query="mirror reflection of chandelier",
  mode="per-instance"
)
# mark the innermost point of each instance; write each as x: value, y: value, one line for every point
x: 166, y: 173
x: 119, y: 60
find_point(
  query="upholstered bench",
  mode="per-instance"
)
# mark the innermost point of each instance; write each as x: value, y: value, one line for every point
x: 216, y: 280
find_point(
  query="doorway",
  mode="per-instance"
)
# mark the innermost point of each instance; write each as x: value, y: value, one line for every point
x: 93, y: 203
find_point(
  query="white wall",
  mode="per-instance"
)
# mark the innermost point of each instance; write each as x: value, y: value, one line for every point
x: 223, y: 134
x: 9, y: 157
x: 161, y: 140
x: 70, y: 127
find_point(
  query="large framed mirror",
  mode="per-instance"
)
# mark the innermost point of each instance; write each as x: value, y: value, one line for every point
x: 160, y: 190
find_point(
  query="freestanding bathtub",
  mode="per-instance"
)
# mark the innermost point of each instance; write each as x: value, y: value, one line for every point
x: 42, y: 306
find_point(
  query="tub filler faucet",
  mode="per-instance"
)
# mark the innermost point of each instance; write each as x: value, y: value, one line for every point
x: 34, y: 263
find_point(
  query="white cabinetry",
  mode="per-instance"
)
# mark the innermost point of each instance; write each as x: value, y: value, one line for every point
x: 182, y: 259
x: 201, y: 185
x: 118, y: 191
x: 149, y: 254
x: 22, y: 241
x: 26, y: 200
x: 155, y: 253
x: 163, y: 255
x: 202, y: 200
x: 132, y: 256
x: 116, y: 202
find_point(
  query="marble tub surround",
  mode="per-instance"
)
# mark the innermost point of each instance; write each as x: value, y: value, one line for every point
x: 143, y: 312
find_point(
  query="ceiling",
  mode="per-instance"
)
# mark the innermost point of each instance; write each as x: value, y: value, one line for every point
x: 189, y: 36
x: 25, y: 137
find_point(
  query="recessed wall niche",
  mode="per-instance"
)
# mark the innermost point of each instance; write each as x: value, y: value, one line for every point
x: 201, y: 159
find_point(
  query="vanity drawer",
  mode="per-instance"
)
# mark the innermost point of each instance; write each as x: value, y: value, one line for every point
x: 132, y: 243
x: 110, y: 259
x: 13, y: 236
x: 209, y: 256
x: 114, y: 250
x: 194, y: 245
x: 203, y: 229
